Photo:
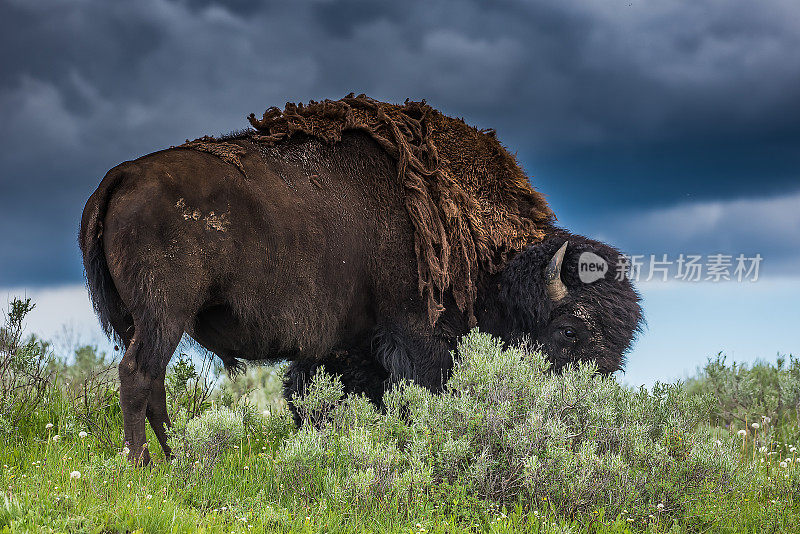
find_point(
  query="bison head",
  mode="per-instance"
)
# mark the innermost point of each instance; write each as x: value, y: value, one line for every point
x: 541, y: 295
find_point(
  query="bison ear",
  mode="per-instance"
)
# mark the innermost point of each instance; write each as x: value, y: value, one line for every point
x: 556, y: 289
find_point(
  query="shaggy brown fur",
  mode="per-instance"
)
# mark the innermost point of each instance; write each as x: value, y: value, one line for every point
x: 313, y: 236
x: 470, y: 203
x: 227, y: 152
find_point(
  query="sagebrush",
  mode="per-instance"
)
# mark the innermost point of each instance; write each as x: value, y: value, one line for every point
x: 509, y: 446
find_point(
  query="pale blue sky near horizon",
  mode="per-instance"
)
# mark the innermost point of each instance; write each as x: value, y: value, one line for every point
x: 687, y: 323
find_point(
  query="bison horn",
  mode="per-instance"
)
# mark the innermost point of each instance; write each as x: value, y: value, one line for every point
x: 556, y: 289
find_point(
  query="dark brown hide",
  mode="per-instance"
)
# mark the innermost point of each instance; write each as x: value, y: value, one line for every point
x: 470, y: 204
x: 306, y: 251
x: 360, y: 235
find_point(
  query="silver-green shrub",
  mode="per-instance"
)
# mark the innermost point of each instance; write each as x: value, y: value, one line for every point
x: 261, y: 385
x: 26, y: 370
x: 509, y: 430
x: 321, y: 399
x: 746, y: 394
x: 203, y: 439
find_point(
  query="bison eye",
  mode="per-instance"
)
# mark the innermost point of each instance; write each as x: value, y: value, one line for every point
x: 568, y: 333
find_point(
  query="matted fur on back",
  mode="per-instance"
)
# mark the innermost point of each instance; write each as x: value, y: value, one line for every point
x: 470, y: 203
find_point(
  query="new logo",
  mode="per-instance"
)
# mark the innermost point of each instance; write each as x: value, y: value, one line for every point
x: 591, y: 267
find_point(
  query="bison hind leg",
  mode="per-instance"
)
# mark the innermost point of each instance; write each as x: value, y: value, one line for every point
x: 142, y: 394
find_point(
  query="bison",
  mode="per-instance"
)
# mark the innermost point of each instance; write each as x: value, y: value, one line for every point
x: 342, y: 246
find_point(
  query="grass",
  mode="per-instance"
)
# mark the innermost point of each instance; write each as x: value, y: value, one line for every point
x: 242, y: 494
x: 509, y: 447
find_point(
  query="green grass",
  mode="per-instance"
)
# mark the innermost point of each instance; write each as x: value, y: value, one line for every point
x: 110, y: 496
x: 509, y: 447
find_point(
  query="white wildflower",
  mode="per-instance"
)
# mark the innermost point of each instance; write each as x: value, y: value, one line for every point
x: 755, y: 426
x: 660, y: 507
x: 792, y: 449
x: 56, y: 437
x: 82, y: 434
x: 48, y: 426
x: 742, y: 432
x: 75, y: 475
x: 783, y: 465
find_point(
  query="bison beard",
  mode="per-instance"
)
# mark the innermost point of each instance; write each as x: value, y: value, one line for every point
x: 358, y: 235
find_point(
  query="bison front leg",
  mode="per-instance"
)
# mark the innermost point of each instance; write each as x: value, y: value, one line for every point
x: 413, y: 354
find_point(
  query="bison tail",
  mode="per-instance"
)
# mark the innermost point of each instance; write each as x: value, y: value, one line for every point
x: 109, y: 307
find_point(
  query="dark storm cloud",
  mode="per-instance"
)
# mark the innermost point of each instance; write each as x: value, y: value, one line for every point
x: 767, y: 226
x: 621, y: 104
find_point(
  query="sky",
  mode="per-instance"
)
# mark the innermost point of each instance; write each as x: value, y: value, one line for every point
x: 665, y: 128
